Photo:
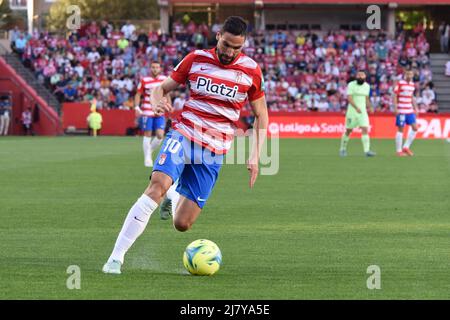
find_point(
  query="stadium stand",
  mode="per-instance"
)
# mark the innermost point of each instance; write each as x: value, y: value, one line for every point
x: 305, y: 71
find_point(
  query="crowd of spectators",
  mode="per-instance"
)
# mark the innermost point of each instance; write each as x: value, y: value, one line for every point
x: 310, y: 72
x: 304, y: 71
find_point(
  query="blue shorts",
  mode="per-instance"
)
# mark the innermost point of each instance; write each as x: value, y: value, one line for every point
x: 196, y: 167
x: 152, y: 123
x: 402, y: 119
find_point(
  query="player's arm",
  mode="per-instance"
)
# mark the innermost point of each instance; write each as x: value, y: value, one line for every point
x: 369, y: 105
x: 396, y: 91
x: 352, y: 103
x: 160, y: 96
x: 395, y: 103
x: 137, y: 103
x: 137, y: 98
x: 260, y: 124
x: 169, y: 99
x: 415, y: 106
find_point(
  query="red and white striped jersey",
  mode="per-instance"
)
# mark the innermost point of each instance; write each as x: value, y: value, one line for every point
x: 217, y: 94
x: 145, y: 87
x: 405, y: 93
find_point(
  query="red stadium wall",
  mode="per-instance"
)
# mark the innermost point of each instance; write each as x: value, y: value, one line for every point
x: 285, y: 124
x: 46, y: 120
x: 115, y: 122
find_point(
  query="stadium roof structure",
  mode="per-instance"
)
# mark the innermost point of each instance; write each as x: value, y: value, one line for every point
x: 261, y: 2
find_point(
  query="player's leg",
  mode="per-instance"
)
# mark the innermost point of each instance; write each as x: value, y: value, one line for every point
x: 168, y: 168
x: 399, y: 141
x: 159, y: 124
x: 400, y: 124
x: 156, y: 140
x: 187, y: 213
x: 2, y: 123
x: 146, y: 142
x: 172, y: 143
x: 6, y: 125
x: 365, y: 139
x: 145, y: 124
x: 344, y: 142
x: 411, y: 120
x: 137, y: 220
x: 169, y: 203
x: 364, y: 124
x: 195, y: 186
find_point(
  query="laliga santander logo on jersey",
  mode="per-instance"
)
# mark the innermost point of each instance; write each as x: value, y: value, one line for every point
x: 206, y: 85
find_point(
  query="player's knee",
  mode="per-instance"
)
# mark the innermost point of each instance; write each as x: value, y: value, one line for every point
x: 181, y: 225
x: 148, y: 134
x: 156, y: 191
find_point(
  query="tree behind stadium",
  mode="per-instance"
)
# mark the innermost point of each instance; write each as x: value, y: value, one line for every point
x: 5, y: 13
x: 111, y: 10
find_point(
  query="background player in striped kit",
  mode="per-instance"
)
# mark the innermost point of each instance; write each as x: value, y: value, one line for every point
x: 221, y: 81
x: 406, y: 109
x: 150, y: 123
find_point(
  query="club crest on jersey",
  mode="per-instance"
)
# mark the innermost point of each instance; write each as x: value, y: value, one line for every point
x: 220, y: 89
x: 162, y: 159
x: 238, y: 77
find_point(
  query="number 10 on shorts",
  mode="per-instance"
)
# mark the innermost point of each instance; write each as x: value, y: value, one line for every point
x: 172, y: 146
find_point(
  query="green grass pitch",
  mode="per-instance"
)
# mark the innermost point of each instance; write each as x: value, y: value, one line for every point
x: 309, y: 232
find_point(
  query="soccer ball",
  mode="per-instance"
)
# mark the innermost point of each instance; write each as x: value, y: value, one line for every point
x: 202, y: 258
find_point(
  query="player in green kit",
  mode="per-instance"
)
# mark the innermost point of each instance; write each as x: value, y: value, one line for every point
x: 357, y: 116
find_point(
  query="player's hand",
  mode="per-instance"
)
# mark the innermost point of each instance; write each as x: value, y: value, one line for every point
x: 162, y: 107
x: 358, y: 110
x: 253, y: 170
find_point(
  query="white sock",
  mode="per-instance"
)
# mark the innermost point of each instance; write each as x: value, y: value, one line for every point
x: 399, y: 141
x: 410, y: 138
x: 174, y: 196
x: 146, y: 147
x: 155, y: 143
x: 134, y: 225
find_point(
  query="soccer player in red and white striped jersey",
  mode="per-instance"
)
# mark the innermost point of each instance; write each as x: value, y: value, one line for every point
x: 221, y: 80
x: 406, y: 109
x: 150, y: 123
